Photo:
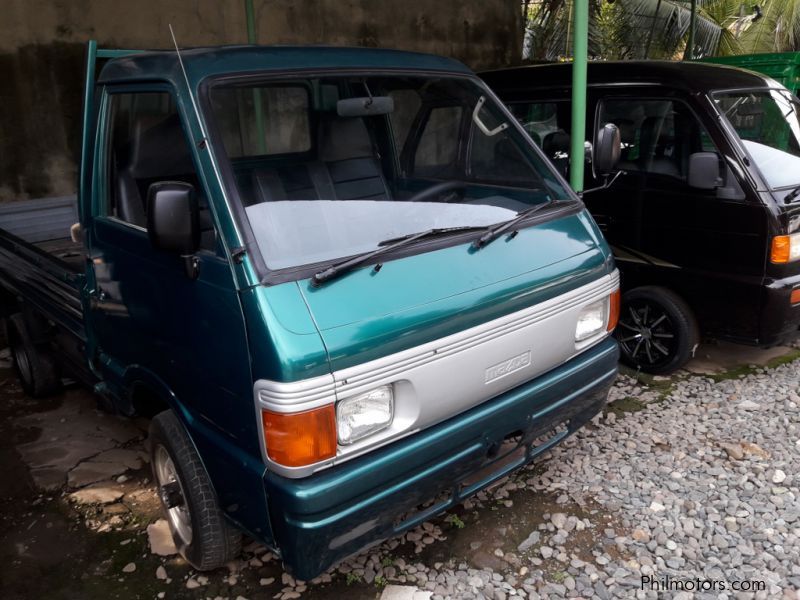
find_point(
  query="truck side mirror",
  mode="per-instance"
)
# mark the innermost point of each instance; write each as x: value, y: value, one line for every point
x: 704, y: 172
x: 173, y: 223
x: 607, y: 149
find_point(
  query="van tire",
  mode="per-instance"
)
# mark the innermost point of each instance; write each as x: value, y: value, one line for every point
x: 210, y: 542
x: 36, y: 369
x: 657, y: 330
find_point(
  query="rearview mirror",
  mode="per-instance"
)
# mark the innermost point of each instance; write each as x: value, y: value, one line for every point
x: 173, y: 223
x: 607, y: 149
x: 367, y: 106
x: 704, y: 171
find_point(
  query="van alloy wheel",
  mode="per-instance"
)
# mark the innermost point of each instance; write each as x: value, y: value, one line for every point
x: 171, y: 493
x: 657, y: 331
x: 648, y: 334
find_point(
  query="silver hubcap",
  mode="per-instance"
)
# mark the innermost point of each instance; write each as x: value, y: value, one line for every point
x: 172, y: 496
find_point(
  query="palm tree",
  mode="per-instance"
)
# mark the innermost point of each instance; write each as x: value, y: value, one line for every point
x: 774, y: 27
x: 622, y: 29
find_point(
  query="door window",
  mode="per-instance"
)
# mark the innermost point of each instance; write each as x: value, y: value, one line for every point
x: 658, y: 136
x: 146, y: 144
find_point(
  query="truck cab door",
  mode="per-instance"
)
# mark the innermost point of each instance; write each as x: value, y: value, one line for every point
x: 152, y: 324
x: 699, y: 242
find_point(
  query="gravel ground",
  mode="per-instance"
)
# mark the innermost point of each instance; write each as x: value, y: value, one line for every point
x: 688, y: 481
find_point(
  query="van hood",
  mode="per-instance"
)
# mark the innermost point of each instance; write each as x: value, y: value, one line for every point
x: 365, y: 314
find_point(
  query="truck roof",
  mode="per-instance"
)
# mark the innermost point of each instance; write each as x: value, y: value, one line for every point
x: 688, y: 76
x: 230, y: 60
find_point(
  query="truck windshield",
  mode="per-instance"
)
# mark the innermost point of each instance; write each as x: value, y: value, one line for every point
x: 328, y: 167
x: 768, y: 123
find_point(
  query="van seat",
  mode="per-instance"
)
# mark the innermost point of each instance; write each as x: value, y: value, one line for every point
x: 351, y: 160
x: 348, y: 169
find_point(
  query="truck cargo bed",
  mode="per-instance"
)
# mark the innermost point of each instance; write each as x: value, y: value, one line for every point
x: 40, y: 263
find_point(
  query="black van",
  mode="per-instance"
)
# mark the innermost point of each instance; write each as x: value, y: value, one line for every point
x: 704, y: 215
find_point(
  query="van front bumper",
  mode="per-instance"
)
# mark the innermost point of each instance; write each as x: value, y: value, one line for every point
x: 780, y: 319
x: 321, y: 519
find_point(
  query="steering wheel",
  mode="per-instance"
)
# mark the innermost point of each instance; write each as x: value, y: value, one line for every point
x: 436, y: 190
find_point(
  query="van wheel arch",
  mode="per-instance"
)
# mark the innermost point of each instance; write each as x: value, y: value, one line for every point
x: 146, y: 401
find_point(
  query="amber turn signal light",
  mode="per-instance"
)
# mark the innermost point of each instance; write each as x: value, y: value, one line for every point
x: 300, y: 439
x: 613, y: 309
x: 795, y: 297
x: 781, y: 249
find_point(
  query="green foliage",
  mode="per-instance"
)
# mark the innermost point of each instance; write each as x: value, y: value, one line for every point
x: 635, y: 29
x: 778, y: 30
x: 353, y: 578
x: 455, y: 521
x: 380, y: 581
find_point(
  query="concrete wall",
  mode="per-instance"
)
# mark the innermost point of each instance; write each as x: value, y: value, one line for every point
x: 42, y: 53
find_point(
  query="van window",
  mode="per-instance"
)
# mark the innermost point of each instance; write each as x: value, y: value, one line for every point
x: 548, y: 124
x: 263, y: 120
x: 146, y: 144
x: 658, y: 136
x: 541, y: 119
x: 768, y: 123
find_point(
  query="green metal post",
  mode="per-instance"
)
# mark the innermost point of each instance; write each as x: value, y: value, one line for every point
x: 251, y: 21
x: 88, y: 102
x: 252, y: 38
x: 688, y: 54
x: 580, y: 52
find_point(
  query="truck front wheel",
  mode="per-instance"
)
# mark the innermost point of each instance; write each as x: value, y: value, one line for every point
x: 657, y: 331
x: 198, y: 527
x: 34, y: 365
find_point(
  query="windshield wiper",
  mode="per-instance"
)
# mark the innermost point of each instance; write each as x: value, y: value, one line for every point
x: 384, y: 247
x: 789, y: 198
x: 495, y: 231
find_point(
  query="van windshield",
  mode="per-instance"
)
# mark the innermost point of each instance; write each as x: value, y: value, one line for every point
x: 768, y: 123
x: 330, y: 167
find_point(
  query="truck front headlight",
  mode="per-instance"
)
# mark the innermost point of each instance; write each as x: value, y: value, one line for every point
x: 591, y: 320
x: 365, y: 414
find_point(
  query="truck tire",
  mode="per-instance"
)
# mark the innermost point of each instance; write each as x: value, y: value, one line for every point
x: 34, y: 365
x: 657, y: 331
x: 201, y: 533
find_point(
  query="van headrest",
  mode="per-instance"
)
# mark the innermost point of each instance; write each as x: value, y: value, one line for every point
x: 158, y: 147
x: 342, y: 138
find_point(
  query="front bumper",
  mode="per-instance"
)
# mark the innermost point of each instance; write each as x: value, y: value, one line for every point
x: 319, y: 520
x: 779, y: 321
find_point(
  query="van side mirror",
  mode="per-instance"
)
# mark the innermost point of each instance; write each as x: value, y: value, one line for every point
x: 173, y: 222
x: 607, y: 149
x: 704, y: 172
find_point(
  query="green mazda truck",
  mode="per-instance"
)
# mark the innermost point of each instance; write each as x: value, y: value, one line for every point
x: 343, y: 282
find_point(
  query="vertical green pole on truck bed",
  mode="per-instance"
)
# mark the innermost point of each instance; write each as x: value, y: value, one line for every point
x: 251, y: 39
x: 580, y: 51
x: 88, y: 97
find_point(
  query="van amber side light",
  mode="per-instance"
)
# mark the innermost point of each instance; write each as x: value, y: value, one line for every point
x: 300, y: 439
x: 781, y: 249
x: 795, y: 297
x: 613, y: 309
